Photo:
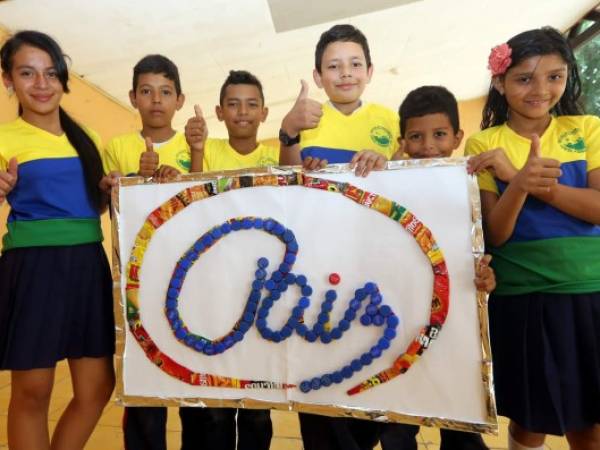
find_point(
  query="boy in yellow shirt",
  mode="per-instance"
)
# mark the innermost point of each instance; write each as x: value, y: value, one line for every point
x: 155, y: 151
x: 242, y: 108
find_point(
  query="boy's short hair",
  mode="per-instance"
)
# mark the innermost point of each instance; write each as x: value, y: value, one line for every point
x: 429, y: 100
x: 158, y: 64
x: 241, y: 77
x: 341, y: 33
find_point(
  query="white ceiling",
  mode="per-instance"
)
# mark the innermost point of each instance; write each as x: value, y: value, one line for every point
x: 425, y: 42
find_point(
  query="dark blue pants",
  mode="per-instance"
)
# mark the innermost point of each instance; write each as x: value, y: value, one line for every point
x: 144, y: 428
x: 398, y: 436
x: 338, y: 433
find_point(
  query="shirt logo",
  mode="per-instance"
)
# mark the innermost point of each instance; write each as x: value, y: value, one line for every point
x: 572, y: 141
x: 267, y: 161
x: 184, y: 160
x: 381, y: 136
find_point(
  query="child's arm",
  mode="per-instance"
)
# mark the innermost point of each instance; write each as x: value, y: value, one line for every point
x: 8, y: 179
x: 485, y: 279
x: 148, y: 160
x: 196, y: 133
x: 304, y: 115
x: 107, y: 182
x: 537, y: 177
x: 582, y: 203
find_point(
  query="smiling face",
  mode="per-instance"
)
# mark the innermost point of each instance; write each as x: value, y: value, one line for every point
x: 344, y: 74
x: 35, y: 81
x: 430, y: 136
x: 155, y: 97
x: 242, y: 110
x: 534, y: 86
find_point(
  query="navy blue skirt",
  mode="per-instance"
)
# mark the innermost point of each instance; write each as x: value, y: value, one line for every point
x: 546, y: 352
x: 55, y: 303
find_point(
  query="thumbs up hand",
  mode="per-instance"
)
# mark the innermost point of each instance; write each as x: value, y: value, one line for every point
x: 304, y: 115
x: 8, y: 179
x: 539, y: 174
x: 196, y: 131
x: 148, y: 160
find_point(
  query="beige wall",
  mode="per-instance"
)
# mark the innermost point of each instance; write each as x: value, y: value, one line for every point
x: 94, y: 108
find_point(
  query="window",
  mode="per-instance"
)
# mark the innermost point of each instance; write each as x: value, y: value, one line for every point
x: 585, y: 40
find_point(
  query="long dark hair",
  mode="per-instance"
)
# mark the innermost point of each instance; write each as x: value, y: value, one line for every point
x: 79, y: 139
x: 542, y: 41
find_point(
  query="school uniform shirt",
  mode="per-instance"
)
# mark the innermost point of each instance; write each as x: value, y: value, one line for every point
x: 49, y: 205
x: 219, y: 155
x: 339, y: 136
x: 549, y: 250
x: 123, y: 153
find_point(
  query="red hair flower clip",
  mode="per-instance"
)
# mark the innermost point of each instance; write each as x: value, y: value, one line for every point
x: 499, y: 59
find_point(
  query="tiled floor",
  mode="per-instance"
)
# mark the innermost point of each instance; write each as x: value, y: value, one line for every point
x: 107, y: 435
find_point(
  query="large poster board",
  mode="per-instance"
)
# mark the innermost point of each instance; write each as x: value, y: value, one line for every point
x: 319, y: 292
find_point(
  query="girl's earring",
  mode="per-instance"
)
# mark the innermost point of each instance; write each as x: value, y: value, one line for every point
x: 10, y: 90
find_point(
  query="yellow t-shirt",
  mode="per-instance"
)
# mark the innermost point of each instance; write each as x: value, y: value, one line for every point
x: 548, y: 250
x: 123, y: 153
x: 572, y: 140
x: 339, y: 136
x: 219, y: 155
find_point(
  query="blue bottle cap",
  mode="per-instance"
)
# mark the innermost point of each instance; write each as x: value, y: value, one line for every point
x: 383, y: 343
x: 297, y: 312
x: 330, y: 295
x: 336, y: 333
x: 288, y: 236
x: 304, y: 302
x: 225, y: 228
x: 356, y: 365
x: 277, y: 276
x: 326, y: 380
x: 260, y: 274
x: 376, y: 299
x: 315, y: 383
x: 258, y: 223
x: 248, y: 317
x: 257, y: 284
x: 307, y: 291
x: 290, y: 279
x: 284, y: 268
x: 263, y: 262
x: 366, y: 359
x: 360, y: 294
x: 278, y: 229
x: 172, y: 314
x: 365, y: 320
x: 246, y: 223
x: 323, y: 317
x: 350, y: 315
x: 305, y: 386
x: 269, y: 224
x: 326, y: 306
x: 385, y: 310
x: 181, y: 333
x: 171, y: 304
x: 209, y: 349
x: 370, y: 287
x: 375, y: 352
x: 337, y: 377
x: 236, y: 225
x: 301, y: 280
x: 199, y: 345
x: 347, y: 372
x: 389, y: 333
x: 344, y: 325
x: 371, y: 310
x: 254, y: 296
x: 245, y: 326
x: 301, y: 329
x: 378, y: 320
x: 175, y: 283
x: 270, y: 284
x: 393, y: 321
x: 216, y: 233
x: 220, y: 347
x: 354, y: 305
x: 326, y: 338
x: 290, y: 258
x: 238, y: 336
x: 292, y: 246
x: 310, y: 336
